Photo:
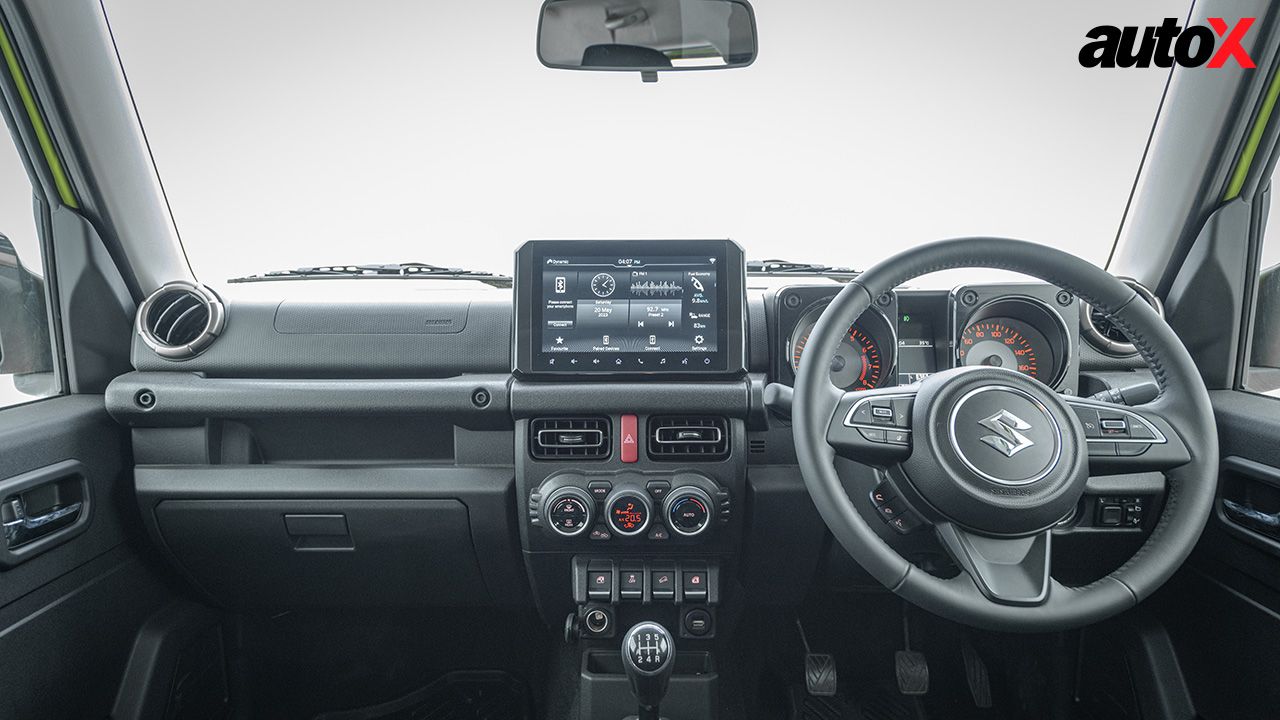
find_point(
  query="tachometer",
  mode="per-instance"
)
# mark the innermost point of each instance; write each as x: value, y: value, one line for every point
x: 1009, y: 343
x: 861, y: 361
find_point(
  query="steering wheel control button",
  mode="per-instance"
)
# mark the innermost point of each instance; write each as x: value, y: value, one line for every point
x: 882, y: 495
x: 1089, y: 420
x: 860, y: 415
x: 905, y: 522
x: 629, y: 439
x: 600, y: 585
x: 902, y: 412
x: 897, y: 437
x: 875, y: 435
x: 694, y: 584
x: 1102, y: 449
x: 662, y: 584
x: 688, y: 511
x: 628, y: 511
x: 631, y: 584
x: 882, y: 413
x: 1131, y: 449
x: 1114, y: 426
x: 697, y: 622
x: 1140, y: 431
x: 568, y: 511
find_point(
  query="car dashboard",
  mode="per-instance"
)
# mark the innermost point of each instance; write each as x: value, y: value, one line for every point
x: 606, y: 441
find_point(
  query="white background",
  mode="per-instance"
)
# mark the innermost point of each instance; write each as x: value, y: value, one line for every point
x: 298, y: 132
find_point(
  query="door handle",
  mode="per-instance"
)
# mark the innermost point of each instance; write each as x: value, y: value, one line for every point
x: 23, y: 528
x: 1256, y: 520
x: 42, y: 509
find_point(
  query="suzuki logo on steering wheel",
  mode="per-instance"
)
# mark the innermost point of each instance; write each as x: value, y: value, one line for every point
x: 1008, y: 437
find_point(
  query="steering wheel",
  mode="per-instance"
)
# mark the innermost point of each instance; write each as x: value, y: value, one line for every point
x: 992, y: 460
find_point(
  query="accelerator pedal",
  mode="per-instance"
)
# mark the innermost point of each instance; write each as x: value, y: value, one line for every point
x: 975, y: 671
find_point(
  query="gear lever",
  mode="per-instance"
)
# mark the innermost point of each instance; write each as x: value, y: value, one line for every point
x: 648, y: 656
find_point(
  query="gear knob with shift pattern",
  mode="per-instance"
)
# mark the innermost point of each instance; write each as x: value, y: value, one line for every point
x: 648, y: 656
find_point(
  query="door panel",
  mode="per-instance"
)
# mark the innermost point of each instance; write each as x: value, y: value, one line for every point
x: 69, y: 612
x: 1223, y: 611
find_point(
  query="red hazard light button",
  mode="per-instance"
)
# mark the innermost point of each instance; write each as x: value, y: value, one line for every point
x: 629, y: 438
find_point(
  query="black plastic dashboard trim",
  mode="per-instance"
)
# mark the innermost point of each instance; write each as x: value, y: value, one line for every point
x: 731, y: 398
x: 183, y: 399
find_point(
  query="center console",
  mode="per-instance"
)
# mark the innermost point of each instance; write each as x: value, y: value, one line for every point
x: 630, y: 395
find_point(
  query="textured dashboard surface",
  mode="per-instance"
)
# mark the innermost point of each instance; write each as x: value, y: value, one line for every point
x: 400, y: 332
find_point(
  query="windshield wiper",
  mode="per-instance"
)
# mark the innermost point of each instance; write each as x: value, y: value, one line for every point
x: 786, y: 267
x: 389, y: 270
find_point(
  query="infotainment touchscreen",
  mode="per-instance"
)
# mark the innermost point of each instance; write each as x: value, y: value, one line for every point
x: 632, y: 307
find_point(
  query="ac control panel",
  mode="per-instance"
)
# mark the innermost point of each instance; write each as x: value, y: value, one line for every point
x: 641, y: 507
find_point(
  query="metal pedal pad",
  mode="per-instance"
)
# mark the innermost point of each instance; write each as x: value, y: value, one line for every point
x: 912, y: 670
x: 820, y: 674
x: 975, y: 671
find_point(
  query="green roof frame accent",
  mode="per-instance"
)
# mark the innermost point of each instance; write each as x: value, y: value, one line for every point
x: 51, y: 158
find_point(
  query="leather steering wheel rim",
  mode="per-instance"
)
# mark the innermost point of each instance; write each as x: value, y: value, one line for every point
x: 1182, y: 406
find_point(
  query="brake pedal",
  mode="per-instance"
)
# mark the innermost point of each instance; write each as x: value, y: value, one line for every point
x: 910, y: 667
x: 820, y: 674
x: 975, y: 671
x: 819, y: 669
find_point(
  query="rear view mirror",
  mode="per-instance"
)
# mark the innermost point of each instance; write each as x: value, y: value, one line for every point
x: 646, y: 36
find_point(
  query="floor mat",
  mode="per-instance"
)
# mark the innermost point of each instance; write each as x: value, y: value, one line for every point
x: 867, y: 704
x: 456, y: 696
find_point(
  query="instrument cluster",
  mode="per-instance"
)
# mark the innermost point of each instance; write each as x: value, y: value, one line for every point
x: 909, y: 334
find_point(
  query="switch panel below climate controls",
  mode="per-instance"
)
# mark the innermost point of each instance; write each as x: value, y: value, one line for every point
x: 610, y: 581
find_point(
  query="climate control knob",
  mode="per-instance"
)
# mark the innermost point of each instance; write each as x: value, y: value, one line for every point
x: 628, y: 510
x: 568, y: 511
x: 688, y: 510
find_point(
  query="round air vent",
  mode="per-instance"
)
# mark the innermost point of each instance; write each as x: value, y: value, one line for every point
x: 181, y: 319
x: 1103, y: 334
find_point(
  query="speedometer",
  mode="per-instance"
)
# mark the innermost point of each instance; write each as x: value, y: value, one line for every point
x: 864, y: 357
x: 1004, y: 342
x: 1018, y: 333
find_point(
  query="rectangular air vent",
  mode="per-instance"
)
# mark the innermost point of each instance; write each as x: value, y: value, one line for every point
x: 585, y: 438
x: 685, y: 438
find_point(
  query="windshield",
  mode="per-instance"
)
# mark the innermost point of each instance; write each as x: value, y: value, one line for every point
x: 309, y: 132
